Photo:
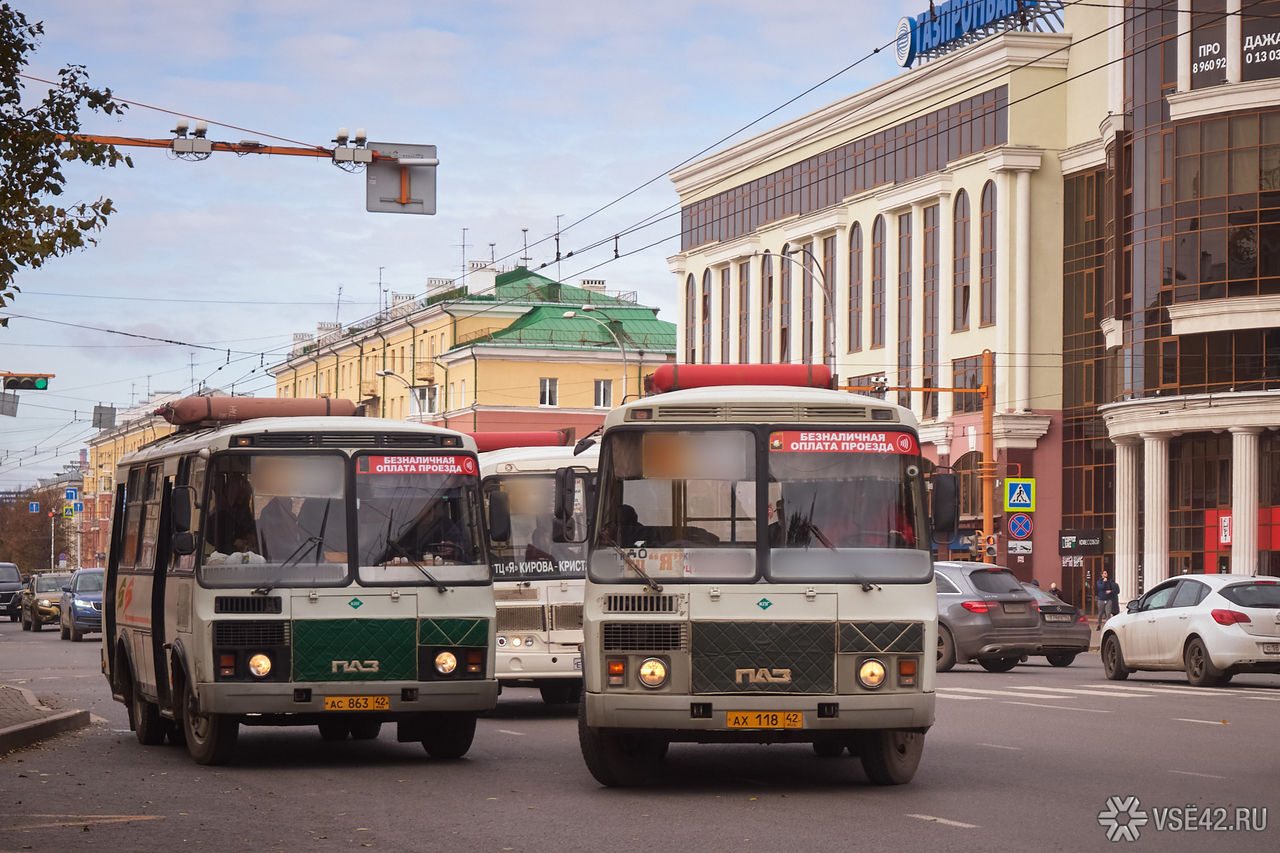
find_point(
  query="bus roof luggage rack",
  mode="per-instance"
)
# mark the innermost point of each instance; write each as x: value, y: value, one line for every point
x: 195, y: 411
x: 677, y: 377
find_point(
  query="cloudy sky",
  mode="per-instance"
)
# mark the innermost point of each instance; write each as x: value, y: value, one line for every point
x: 539, y: 108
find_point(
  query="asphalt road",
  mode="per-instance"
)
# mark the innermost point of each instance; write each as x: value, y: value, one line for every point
x: 1018, y: 761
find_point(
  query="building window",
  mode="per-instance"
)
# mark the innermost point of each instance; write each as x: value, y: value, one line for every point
x: 960, y: 265
x: 929, y: 295
x: 904, y: 307
x: 806, y: 304
x: 428, y: 399
x: 462, y: 394
x: 725, y: 317
x: 766, y: 309
x: 706, y: 317
x: 548, y: 392
x: 450, y: 396
x: 877, y: 283
x: 604, y: 394
x: 828, y: 289
x: 690, y: 321
x: 744, y: 312
x: 784, y: 305
x: 966, y: 373
x: 970, y: 492
x: 855, y: 288
x: 988, y: 260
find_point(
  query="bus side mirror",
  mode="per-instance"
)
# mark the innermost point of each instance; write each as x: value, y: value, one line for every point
x: 499, y: 517
x: 183, y: 543
x: 182, y: 508
x: 566, y: 480
x: 946, y: 504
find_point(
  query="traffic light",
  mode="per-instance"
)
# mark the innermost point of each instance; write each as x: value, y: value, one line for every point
x: 991, y: 545
x: 26, y: 381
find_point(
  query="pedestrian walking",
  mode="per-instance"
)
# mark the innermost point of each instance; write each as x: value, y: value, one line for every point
x: 1108, y: 595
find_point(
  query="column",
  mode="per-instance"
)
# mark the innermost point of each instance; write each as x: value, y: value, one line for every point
x: 889, y: 355
x: 1155, y: 508
x: 1234, y: 46
x: 1184, y: 45
x: 1127, y: 517
x: 1244, y: 500
x: 946, y: 263
x: 1022, y: 294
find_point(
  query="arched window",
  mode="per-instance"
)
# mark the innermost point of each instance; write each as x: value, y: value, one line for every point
x: 690, y: 321
x: 877, y: 282
x: 961, y: 241
x: 987, y: 271
x: 855, y: 288
x: 744, y: 312
x: 784, y: 305
x: 766, y: 309
x: 725, y: 318
x: 970, y: 497
x: 706, y: 317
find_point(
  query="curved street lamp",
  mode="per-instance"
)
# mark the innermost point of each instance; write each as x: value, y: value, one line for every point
x: 586, y: 312
x: 405, y: 382
x: 829, y: 302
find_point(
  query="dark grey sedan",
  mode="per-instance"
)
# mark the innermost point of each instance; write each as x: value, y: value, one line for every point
x: 984, y: 615
x: 1064, y: 629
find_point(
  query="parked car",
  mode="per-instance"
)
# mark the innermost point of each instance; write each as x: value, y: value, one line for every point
x: 81, y: 605
x: 1064, y: 629
x: 1211, y: 626
x: 40, y: 599
x: 984, y: 615
x: 10, y: 591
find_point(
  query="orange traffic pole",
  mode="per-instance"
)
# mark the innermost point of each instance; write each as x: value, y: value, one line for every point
x: 988, y: 474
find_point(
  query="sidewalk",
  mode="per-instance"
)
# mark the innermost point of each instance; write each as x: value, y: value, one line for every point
x: 23, y: 720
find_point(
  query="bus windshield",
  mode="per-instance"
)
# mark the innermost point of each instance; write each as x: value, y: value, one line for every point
x: 531, y: 552
x: 275, y: 520
x: 417, y: 518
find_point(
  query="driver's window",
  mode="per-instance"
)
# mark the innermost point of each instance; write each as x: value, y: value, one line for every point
x: 1158, y: 598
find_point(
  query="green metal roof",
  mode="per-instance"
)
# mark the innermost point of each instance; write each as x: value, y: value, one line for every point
x: 546, y: 326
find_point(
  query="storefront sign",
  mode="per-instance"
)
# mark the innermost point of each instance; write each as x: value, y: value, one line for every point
x: 1260, y: 54
x: 946, y: 24
x: 1083, y: 542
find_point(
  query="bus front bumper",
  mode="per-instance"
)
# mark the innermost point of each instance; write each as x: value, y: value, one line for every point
x: 309, y: 697
x: 706, y: 717
x: 539, y: 666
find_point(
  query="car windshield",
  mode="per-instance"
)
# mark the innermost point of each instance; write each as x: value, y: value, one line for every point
x: 89, y: 582
x: 9, y: 573
x: 1040, y: 594
x: 531, y: 552
x: 417, y: 518
x: 51, y: 583
x: 1265, y: 594
x: 995, y: 581
x: 275, y: 520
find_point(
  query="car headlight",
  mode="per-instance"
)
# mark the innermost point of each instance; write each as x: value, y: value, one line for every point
x: 652, y: 672
x: 80, y: 602
x: 871, y: 673
x: 44, y: 602
x: 260, y: 665
x: 446, y: 663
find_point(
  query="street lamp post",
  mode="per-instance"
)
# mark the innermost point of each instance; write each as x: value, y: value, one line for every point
x: 608, y: 327
x: 828, y: 307
x: 405, y: 382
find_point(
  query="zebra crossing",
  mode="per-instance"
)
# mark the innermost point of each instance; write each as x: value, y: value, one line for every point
x: 1078, y: 696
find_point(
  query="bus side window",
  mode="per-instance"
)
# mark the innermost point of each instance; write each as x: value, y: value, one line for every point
x: 133, y: 497
x: 191, y: 473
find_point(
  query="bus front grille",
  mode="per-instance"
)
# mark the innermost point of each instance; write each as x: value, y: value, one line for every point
x: 566, y: 617
x: 763, y: 657
x: 522, y: 618
x: 642, y: 603
x: 246, y: 604
x: 250, y: 633
x: 645, y: 636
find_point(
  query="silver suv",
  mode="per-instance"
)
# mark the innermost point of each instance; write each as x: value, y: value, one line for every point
x: 984, y: 615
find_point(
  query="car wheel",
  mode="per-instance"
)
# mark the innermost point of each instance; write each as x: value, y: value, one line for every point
x: 618, y: 759
x: 1200, y: 669
x: 889, y: 756
x: 449, y: 734
x: 1113, y: 659
x: 946, y: 649
x: 211, y: 738
x: 998, y: 664
x: 1065, y: 659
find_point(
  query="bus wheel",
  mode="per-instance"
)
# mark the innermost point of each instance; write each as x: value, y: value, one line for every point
x: 889, y: 756
x: 560, y: 692
x: 147, y: 724
x: 334, y: 730
x: 211, y: 738
x: 619, y: 760
x: 449, y: 734
x: 366, y: 729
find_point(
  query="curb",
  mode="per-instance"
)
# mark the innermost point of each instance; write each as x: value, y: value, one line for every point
x: 24, y: 734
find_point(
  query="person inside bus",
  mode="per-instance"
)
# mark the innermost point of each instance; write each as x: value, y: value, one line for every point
x: 279, y: 535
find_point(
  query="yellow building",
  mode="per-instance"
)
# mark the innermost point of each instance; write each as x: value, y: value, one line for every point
x: 506, y: 351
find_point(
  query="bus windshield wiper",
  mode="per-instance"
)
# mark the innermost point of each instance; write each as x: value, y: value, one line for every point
x: 298, y: 553
x: 399, y: 549
x: 635, y: 567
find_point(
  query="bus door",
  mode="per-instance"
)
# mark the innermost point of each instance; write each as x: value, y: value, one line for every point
x: 159, y: 585
x: 109, y: 583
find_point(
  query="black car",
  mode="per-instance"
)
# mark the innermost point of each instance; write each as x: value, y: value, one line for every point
x: 1064, y: 629
x: 10, y: 591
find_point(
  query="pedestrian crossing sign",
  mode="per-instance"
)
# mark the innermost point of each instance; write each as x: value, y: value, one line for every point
x: 1020, y: 494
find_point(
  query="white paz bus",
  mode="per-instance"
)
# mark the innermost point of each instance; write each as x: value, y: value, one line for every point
x: 538, y: 576
x: 278, y: 562
x: 759, y: 571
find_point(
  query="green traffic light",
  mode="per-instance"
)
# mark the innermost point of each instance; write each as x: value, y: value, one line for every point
x: 42, y: 383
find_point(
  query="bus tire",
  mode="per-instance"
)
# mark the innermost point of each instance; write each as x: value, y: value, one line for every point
x: 366, y: 729
x: 147, y: 723
x: 211, y: 738
x: 946, y: 649
x: 889, y: 756
x: 618, y: 759
x: 449, y: 734
x: 560, y: 692
x: 334, y: 730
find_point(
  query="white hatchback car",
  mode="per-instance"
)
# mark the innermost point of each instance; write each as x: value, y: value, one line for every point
x: 1212, y: 626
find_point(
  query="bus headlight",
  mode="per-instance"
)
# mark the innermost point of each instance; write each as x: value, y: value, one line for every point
x: 652, y: 672
x: 871, y: 673
x: 446, y: 663
x: 260, y: 665
x: 502, y: 641
x: 517, y: 642
x: 528, y: 642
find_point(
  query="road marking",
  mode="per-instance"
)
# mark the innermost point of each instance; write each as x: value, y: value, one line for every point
x: 1001, y: 746
x: 1191, y: 773
x: 1206, y: 722
x: 1188, y: 690
x: 509, y: 732
x: 1087, y: 692
x: 75, y: 820
x: 1059, y: 707
x: 999, y: 693
x: 942, y: 695
x: 1264, y: 698
x: 944, y: 821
